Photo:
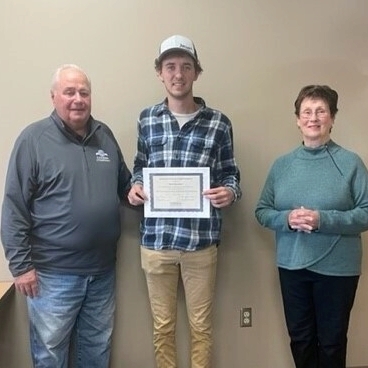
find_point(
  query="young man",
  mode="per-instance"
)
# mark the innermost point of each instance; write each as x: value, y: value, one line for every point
x: 183, y: 132
x: 60, y: 225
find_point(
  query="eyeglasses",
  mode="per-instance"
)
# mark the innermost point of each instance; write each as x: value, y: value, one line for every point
x: 307, y: 114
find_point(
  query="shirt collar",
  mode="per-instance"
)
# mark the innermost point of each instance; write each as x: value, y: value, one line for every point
x: 163, y: 107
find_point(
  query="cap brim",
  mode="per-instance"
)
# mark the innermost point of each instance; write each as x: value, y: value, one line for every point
x: 173, y: 51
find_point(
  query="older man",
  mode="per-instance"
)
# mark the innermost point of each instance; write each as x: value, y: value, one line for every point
x: 60, y: 225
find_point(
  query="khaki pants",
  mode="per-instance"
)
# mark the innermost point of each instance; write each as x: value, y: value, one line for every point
x: 198, y: 273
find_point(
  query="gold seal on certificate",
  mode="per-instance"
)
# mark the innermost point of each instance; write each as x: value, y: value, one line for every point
x: 176, y: 192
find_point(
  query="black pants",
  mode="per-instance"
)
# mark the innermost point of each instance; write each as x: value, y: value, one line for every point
x: 317, y: 311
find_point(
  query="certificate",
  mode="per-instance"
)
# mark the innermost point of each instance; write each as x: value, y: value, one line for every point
x: 176, y: 192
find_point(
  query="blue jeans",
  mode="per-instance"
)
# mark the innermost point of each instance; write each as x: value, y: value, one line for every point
x: 317, y: 310
x: 72, y: 305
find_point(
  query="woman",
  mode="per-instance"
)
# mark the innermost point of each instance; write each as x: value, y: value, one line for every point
x: 316, y: 200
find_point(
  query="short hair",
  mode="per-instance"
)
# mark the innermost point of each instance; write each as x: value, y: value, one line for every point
x: 56, y: 77
x: 315, y: 91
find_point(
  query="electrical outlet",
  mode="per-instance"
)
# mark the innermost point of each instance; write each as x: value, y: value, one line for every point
x: 246, y: 317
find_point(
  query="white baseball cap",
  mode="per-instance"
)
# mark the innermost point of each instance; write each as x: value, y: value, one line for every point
x: 177, y: 43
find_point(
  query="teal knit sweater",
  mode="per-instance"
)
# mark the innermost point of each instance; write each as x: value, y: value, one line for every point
x: 331, y: 180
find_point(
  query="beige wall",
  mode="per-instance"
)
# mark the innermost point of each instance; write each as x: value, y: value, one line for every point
x: 256, y: 55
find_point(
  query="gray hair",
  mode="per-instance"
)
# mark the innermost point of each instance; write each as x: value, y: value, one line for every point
x: 56, y: 77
